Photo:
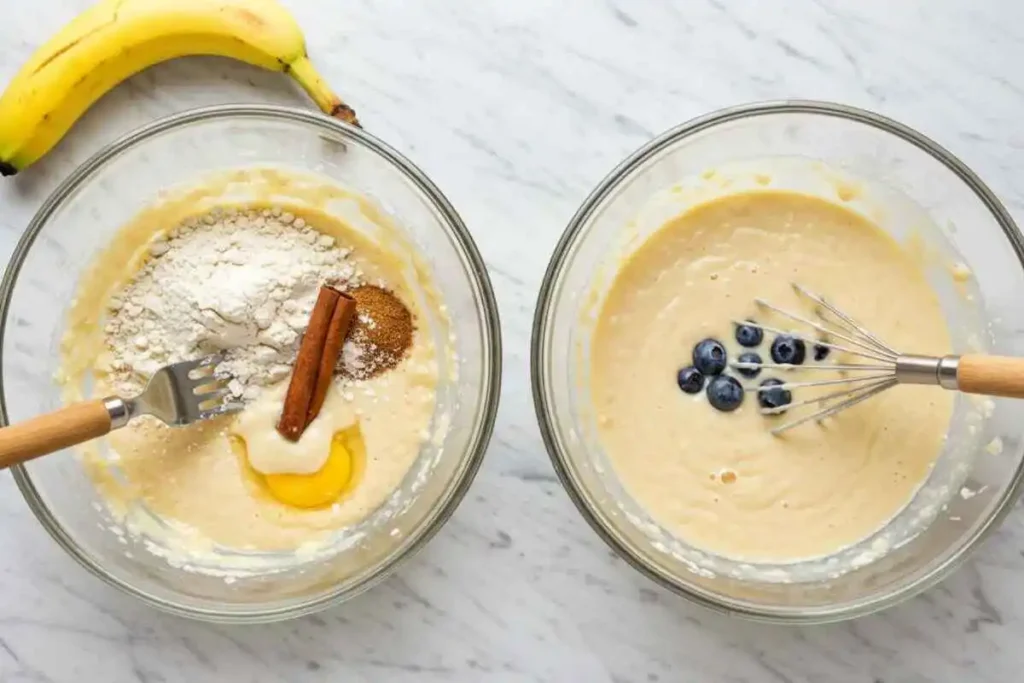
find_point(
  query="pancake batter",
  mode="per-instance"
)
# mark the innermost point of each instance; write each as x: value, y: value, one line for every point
x: 719, y: 480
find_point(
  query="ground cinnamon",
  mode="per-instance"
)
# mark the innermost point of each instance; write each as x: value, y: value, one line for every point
x: 383, y: 330
x: 326, y: 332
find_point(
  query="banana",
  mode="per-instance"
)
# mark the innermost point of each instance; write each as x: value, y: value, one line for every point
x: 115, y: 39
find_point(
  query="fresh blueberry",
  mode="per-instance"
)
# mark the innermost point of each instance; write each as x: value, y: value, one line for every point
x: 725, y: 393
x: 771, y: 395
x: 749, y: 357
x: 690, y: 380
x: 709, y: 357
x: 789, y: 350
x: 749, y: 335
x: 821, y: 352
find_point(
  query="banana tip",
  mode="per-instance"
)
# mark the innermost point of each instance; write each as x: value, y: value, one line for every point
x: 345, y: 113
x: 7, y: 169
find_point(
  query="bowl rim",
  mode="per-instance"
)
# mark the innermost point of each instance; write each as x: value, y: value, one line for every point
x: 541, y: 379
x: 490, y: 374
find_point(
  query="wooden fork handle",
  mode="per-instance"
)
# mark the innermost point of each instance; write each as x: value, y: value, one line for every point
x: 53, y: 432
x: 991, y: 375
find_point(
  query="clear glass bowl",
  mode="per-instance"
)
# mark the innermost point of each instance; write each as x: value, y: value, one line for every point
x: 82, y: 217
x: 916, y: 191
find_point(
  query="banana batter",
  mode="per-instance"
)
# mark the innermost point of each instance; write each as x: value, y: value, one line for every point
x: 717, y: 478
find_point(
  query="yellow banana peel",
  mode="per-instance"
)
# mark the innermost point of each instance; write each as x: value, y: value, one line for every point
x: 115, y: 39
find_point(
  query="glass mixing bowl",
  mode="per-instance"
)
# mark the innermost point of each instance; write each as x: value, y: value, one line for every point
x: 82, y: 217
x: 912, y: 188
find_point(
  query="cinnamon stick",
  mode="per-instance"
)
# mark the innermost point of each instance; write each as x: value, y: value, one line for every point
x: 303, y: 383
x: 341, y: 321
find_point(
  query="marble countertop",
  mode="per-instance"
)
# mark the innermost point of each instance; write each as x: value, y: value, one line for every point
x: 516, y: 110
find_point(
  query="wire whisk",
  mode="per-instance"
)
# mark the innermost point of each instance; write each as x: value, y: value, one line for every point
x: 878, y: 366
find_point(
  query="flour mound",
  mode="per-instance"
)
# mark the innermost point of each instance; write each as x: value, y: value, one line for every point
x: 238, y: 282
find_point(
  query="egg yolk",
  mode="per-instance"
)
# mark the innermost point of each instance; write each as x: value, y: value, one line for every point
x: 326, y: 485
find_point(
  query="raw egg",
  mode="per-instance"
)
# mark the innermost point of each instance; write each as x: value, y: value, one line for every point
x: 340, y: 472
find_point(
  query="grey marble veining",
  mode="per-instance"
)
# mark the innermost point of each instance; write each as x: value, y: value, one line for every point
x: 516, y: 110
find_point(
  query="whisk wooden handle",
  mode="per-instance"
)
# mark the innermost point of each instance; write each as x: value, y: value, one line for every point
x: 48, y: 433
x: 991, y: 375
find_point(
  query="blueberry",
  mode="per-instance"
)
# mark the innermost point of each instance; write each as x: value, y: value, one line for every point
x: 749, y: 335
x: 789, y: 350
x: 690, y: 380
x: 725, y: 393
x: 709, y: 357
x: 749, y: 357
x: 821, y: 352
x: 771, y: 396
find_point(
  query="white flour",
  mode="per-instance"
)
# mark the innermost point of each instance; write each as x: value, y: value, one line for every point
x: 239, y: 282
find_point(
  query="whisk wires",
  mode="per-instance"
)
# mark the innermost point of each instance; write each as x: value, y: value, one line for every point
x: 840, y: 333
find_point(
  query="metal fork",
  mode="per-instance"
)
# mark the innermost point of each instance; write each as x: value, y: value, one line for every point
x: 177, y: 394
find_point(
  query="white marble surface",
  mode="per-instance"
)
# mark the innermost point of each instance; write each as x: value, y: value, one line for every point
x: 516, y: 109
